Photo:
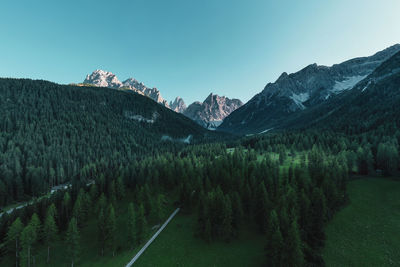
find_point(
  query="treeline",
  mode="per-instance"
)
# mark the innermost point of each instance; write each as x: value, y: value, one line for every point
x: 62, y: 217
x: 365, y: 153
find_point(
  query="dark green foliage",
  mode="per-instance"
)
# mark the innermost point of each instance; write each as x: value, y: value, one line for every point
x: 101, y: 228
x: 52, y: 133
x: 141, y: 223
x: 131, y: 227
x: 49, y: 232
x: 388, y: 158
x: 110, y: 229
x: 73, y: 240
x: 13, y: 238
x: 274, y: 246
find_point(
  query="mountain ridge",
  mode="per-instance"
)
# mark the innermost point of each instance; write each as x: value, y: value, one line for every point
x: 101, y: 78
x: 295, y: 92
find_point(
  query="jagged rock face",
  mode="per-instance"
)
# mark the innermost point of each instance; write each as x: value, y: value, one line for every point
x: 103, y: 78
x: 298, y: 91
x: 107, y: 79
x: 178, y: 105
x: 212, y: 111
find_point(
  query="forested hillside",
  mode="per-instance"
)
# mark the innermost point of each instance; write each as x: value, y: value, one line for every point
x: 288, y: 185
x: 50, y: 133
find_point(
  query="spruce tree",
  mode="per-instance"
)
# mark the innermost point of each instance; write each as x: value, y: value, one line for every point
x: 14, y: 236
x: 131, y: 225
x: 111, y: 229
x: 73, y: 241
x: 293, y: 247
x: 28, y: 238
x: 274, y: 246
x: 49, y: 232
x: 226, y: 224
x: 101, y: 226
x: 141, y: 225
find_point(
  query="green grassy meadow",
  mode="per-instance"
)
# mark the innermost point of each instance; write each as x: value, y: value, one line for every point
x: 367, y: 231
x: 177, y: 246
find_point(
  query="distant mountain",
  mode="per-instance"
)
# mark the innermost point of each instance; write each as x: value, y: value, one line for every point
x: 212, y: 111
x: 373, y: 102
x: 103, y: 78
x: 178, y: 105
x: 293, y: 93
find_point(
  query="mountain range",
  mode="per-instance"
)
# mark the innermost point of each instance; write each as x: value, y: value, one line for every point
x: 293, y: 94
x: 210, y: 113
x: 103, y: 78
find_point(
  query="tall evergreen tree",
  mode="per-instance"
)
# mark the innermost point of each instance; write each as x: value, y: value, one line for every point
x: 13, y: 237
x: 111, y: 229
x: 28, y: 238
x: 274, y: 246
x: 293, y: 254
x: 141, y: 225
x: 49, y: 232
x: 73, y: 241
x: 101, y: 227
x: 131, y: 225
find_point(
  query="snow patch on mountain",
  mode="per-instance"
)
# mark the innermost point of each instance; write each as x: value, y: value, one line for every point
x: 347, y: 83
x: 299, y: 99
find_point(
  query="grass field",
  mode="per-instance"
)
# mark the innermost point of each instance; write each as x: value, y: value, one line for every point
x: 367, y: 231
x: 177, y: 246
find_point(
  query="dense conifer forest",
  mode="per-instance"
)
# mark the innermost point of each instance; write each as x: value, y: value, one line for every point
x: 289, y: 184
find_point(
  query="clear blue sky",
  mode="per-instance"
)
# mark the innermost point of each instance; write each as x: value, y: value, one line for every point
x: 189, y: 48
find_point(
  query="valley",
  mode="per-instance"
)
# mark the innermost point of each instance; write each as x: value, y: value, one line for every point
x: 200, y: 133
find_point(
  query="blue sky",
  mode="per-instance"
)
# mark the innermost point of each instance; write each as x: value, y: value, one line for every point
x: 189, y: 48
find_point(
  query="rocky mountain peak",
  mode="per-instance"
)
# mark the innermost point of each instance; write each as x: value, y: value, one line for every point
x: 212, y: 111
x: 178, y: 105
x: 301, y: 90
x: 103, y: 78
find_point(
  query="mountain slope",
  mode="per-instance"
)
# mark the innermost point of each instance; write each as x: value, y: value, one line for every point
x: 212, y: 111
x: 103, y: 78
x: 300, y: 91
x: 371, y: 103
x: 53, y: 133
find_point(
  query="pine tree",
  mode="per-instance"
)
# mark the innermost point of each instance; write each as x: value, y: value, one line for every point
x: 36, y: 224
x: 293, y: 253
x: 141, y: 225
x: 73, y: 240
x: 226, y: 224
x: 13, y: 237
x: 66, y: 204
x: 77, y: 211
x: 237, y: 213
x: 274, y: 246
x: 131, y: 225
x: 120, y: 188
x: 111, y: 229
x: 101, y: 203
x: 101, y: 226
x: 52, y: 211
x: 262, y: 206
x: 50, y: 232
x: 28, y: 238
x: 317, y: 218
